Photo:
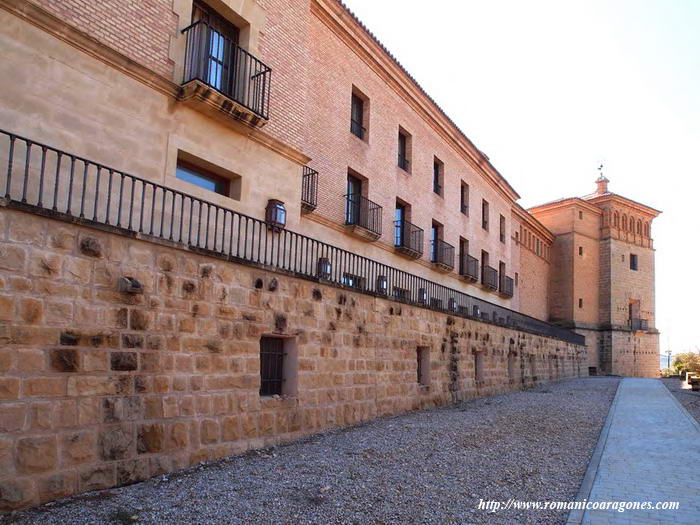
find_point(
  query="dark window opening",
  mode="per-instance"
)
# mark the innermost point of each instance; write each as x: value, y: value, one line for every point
x: 484, y: 215
x: 580, y: 303
x: 271, y: 366
x: 357, y: 116
x: 502, y: 229
x: 580, y: 250
x: 634, y: 262
x: 403, y: 160
x: 580, y: 215
x: 438, y: 172
x: 464, y: 199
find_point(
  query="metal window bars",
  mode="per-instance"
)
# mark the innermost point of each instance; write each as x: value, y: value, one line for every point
x: 44, y: 180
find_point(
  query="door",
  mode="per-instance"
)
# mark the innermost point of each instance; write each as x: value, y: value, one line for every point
x: 399, y: 218
x: 354, y: 195
x: 220, y: 39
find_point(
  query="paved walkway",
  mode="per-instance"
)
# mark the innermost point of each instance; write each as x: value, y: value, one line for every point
x: 649, y: 451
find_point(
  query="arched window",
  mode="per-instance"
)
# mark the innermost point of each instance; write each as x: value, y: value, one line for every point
x: 616, y: 220
x: 639, y: 227
x: 624, y: 222
x: 647, y: 229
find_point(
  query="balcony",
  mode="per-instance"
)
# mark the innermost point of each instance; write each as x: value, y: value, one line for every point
x: 443, y: 255
x: 639, y: 325
x: 363, y: 218
x: 489, y: 278
x: 469, y: 268
x: 408, y: 239
x: 221, y: 78
x: 309, y: 189
x: 505, y: 288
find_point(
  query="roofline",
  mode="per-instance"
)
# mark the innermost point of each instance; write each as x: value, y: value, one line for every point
x: 563, y: 203
x: 634, y: 204
x: 532, y: 221
x: 394, y: 69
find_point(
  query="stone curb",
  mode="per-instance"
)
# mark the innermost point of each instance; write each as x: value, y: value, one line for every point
x: 683, y: 410
x: 576, y: 515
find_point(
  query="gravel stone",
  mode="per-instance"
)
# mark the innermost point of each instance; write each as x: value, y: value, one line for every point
x: 431, y: 466
x: 689, y: 399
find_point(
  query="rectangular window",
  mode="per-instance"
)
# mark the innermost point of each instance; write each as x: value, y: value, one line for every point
x: 580, y: 303
x: 484, y: 214
x: 516, y: 278
x: 435, y: 235
x: 464, y: 199
x: 438, y: 173
x: 404, y: 150
x: 202, y: 178
x: 580, y: 250
x: 271, y: 366
x: 423, y: 362
x: 580, y: 215
x: 463, y: 252
x: 502, y: 229
x: 357, y: 116
x: 634, y: 265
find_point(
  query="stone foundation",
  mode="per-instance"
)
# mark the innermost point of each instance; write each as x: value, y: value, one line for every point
x: 101, y: 388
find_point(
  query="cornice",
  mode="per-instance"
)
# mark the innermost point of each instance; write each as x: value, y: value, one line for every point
x: 532, y: 222
x: 351, y: 31
x: 624, y: 201
x: 571, y: 202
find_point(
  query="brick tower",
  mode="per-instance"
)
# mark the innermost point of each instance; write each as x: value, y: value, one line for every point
x: 602, y: 282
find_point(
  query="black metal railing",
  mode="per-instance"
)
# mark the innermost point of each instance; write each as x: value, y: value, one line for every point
x: 408, y: 238
x: 357, y: 129
x: 443, y: 254
x: 489, y: 277
x: 403, y: 162
x: 43, y: 180
x: 639, y: 324
x: 309, y: 189
x: 505, y: 286
x: 362, y: 212
x: 218, y: 62
x: 469, y: 267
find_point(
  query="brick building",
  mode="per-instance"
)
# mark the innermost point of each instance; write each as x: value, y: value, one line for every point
x: 229, y: 224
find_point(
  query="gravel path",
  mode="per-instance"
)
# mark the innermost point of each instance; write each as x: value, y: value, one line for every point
x: 689, y: 399
x: 424, y: 467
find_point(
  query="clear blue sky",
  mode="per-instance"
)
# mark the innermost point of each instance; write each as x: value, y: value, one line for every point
x: 549, y: 89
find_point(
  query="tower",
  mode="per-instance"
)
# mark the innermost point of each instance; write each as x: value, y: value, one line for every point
x: 602, y: 278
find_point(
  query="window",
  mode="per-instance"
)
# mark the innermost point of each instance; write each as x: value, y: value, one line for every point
x: 517, y: 237
x: 353, y: 207
x: 464, y: 198
x: 358, y: 108
x: 580, y: 215
x: 502, y: 229
x: 484, y: 214
x: 538, y: 246
x: 516, y: 278
x: 463, y: 252
x: 438, y: 174
x: 404, y: 151
x: 202, y: 178
x: 634, y: 263
x: 580, y: 303
x: 423, y: 362
x: 580, y: 250
x: 221, y: 39
x: 435, y: 236
x: 271, y: 366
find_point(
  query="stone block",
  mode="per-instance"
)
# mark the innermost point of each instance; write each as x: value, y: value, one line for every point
x: 124, y: 361
x: 12, y: 258
x: 16, y: 493
x: 78, y: 447
x: 9, y: 388
x: 231, y: 429
x: 132, y: 471
x: 97, y: 477
x: 209, y: 431
x: 31, y: 310
x: 36, y: 454
x: 7, y: 307
x: 139, y: 319
x: 44, y: 386
x: 56, y: 486
x: 64, y: 360
x: 31, y: 360
x: 116, y: 442
x: 151, y: 438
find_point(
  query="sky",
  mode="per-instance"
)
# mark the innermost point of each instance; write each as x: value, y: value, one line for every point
x: 549, y: 90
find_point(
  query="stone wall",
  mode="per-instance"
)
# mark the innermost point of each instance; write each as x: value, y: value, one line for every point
x: 101, y: 388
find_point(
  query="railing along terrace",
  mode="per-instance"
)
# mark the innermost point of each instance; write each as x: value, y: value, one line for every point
x: 44, y: 180
x: 639, y: 324
x: 489, y: 277
x: 360, y: 211
x: 408, y: 237
x: 469, y: 267
x: 221, y: 64
x: 309, y: 189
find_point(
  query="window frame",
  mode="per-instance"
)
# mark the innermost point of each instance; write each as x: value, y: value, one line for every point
x: 464, y: 198
x: 485, y: 214
x: 203, y: 173
x: 634, y: 262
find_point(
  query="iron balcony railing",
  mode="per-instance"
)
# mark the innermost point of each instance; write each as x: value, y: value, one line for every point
x: 362, y: 212
x: 443, y: 254
x: 408, y: 238
x: 639, y: 324
x: 489, y: 277
x: 309, y: 189
x: 469, y: 267
x: 43, y: 180
x: 218, y: 62
x: 505, y: 286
